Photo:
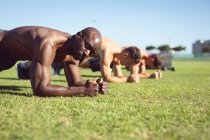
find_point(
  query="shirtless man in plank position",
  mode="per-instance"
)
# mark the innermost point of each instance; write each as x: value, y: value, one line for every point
x: 113, y: 53
x: 43, y: 46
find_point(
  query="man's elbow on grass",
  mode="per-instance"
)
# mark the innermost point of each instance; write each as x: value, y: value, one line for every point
x: 108, y: 79
x: 38, y: 92
x: 133, y: 78
x: 115, y: 79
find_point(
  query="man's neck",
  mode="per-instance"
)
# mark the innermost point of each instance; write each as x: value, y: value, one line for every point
x: 66, y: 47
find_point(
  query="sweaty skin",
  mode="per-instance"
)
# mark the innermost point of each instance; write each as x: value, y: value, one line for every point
x: 43, y: 46
x: 112, y: 52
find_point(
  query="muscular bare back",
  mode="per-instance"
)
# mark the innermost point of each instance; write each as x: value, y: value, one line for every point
x: 21, y: 42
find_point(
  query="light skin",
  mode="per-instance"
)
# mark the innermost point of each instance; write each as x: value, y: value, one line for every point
x: 43, y: 46
x: 112, y: 52
x: 147, y: 59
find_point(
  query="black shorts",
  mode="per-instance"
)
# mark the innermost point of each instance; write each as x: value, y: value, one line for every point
x: 6, y: 60
x: 57, y: 65
x: 94, y: 64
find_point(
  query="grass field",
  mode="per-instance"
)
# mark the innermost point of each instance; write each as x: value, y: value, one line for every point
x: 175, y: 107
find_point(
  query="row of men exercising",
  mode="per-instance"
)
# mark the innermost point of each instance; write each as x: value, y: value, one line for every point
x: 118, y: 56
x: 44, y: 46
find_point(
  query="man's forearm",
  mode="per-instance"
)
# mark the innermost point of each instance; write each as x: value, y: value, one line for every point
x: 54, y: 90
x: 78, y: 84
x: 115, y: 79
x: 73, y: 76
x: 144, y: 75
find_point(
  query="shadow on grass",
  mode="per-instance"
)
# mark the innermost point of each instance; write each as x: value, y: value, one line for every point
x: 7, y: 78
x: 91, y: 76
x: 59, y: 81
x: 14, y: 90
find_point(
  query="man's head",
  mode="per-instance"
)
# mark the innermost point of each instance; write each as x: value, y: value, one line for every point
x: 132, y: 56
x: 85, y: 42
x: 155, y: 61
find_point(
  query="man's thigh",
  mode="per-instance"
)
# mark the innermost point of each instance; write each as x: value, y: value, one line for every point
x: 6, y: 62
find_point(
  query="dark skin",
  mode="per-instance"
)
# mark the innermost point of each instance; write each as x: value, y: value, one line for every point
x: 43, y: 46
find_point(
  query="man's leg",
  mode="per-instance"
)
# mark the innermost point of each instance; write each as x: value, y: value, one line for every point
x: 57, y: 68
x: 6, y: 62
x: 95, y: 64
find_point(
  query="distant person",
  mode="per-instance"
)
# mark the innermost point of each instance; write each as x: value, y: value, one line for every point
x: 152, y: 61
x: 43, y: 46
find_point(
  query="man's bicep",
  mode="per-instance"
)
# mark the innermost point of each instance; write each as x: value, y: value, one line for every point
x: 106, y: 59
x: 41, y: 64
x: 105, y: 71
x: 39, y: 74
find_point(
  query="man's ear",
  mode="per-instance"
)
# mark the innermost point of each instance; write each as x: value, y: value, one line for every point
x: 78, y: 35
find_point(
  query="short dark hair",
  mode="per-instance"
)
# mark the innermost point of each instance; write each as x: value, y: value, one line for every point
x: 135, y: 53
x: 92, y: 38
x: 157, y: 60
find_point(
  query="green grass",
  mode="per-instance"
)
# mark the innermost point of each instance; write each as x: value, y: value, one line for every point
x: 175, y: 107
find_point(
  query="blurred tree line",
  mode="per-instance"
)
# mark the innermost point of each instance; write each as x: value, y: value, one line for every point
x: 166, y: 48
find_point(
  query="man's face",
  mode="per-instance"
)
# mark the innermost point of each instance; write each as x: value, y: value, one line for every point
x: 158, y: 61
x: 155, y: 61
x: 81, y: 49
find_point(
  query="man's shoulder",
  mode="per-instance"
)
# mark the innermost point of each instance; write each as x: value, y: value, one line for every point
x: 38, y: 31
x: 106, y: 57
x: 106, y: 53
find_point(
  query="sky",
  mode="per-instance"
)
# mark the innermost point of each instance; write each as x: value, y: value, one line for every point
x: 127, y: 22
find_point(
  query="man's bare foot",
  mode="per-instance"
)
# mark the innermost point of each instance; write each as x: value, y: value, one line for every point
x: 160, y: 74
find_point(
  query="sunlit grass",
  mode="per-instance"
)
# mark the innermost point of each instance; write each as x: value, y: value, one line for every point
x: 175, y: 107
